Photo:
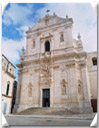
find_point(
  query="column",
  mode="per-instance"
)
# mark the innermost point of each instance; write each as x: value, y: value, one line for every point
x: 86, y: 89
x: 17, y: 102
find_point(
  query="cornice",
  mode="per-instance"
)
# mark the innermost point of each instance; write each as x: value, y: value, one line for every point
x: 66, y: 50
x: 10, y: 74
x: 41, y: 57
x: 6, y: 96
x: 48, y: 28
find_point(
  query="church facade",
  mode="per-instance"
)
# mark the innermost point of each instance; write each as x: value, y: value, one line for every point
x: 53, y: 69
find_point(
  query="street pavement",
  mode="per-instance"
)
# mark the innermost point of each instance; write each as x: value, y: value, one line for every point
x: 14, y: 120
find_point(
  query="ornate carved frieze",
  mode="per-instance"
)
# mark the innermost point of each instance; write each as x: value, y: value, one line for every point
x: 48, y: 37
x: 46, y: 55
x: 45, y: 72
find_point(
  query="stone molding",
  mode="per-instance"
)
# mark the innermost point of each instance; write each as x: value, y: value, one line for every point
x: 54, y: 58
x: 11, y: 75
x: 6, y: 96
x: 48, y: 28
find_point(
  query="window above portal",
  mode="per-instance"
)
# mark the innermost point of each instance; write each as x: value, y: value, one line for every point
x: 47, y: 46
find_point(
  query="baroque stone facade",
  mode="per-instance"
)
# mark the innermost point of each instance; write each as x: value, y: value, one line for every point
x: 53, y: 69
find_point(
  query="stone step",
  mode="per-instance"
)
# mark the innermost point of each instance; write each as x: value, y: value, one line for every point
x: 46, y: 111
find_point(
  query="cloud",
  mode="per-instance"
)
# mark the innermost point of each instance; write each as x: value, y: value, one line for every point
x: 90, y: 40
x: 22, y: 30
x: 17, y: 14
x: 11, y: 48
x: 85, y: 22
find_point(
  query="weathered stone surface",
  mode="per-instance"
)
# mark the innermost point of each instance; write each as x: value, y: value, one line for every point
x: 62, y: 69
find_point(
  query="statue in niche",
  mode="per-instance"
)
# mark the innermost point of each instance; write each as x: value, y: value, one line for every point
x: 33, y: 44
x: 30, y: 90
x: 80, y: 91
x: 61, y: 37
x: 63, y: 90
x: 79, y: 86
x: 63, y: 85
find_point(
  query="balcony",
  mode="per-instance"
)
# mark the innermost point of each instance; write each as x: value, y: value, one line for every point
x: 46, y: 54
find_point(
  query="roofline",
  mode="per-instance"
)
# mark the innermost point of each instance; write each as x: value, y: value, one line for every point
x: 31, y: 28
x: 8, y: 60
x: 91, y: 52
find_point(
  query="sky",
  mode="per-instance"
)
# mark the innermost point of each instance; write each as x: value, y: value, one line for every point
x: 17, y: 17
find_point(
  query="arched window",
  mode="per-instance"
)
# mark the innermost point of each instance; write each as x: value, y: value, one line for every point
x: 47, y: 46
x: 8, y: 86
x: 94, y: 60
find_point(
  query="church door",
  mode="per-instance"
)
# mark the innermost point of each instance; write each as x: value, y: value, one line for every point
x: 46, y: 98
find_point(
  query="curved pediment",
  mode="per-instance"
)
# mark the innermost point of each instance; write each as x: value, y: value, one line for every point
x: 49, y: 20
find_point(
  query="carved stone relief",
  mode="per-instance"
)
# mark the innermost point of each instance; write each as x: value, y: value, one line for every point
x: 45, y: 73
x: 80, y: 90
x: 30, y: 75
x: 64, y: 87
x: 63, y: 70
x: 30, y: 89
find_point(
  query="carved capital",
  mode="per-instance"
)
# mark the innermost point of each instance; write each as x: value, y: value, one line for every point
x: 83, y: 64
x: 28, y: 36
x: 70, y: 64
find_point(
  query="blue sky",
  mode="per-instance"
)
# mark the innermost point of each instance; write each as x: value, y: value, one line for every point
x: 17, y: 17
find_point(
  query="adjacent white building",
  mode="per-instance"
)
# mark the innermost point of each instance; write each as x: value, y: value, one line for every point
x: 53, y: 70
x: 92, y: 71
x: 8, y: 77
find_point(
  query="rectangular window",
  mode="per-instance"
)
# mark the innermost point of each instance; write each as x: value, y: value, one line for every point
x: 94, y: 60
x: 7, y: 91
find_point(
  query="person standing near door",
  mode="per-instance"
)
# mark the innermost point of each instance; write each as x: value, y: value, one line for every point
x: 46, y: 104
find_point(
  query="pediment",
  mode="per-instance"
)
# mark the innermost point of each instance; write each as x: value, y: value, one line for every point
x: 49, y: 20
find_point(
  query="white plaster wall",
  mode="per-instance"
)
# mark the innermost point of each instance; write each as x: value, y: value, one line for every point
x: 8, y: 101
x: 92, y: 71
x: 5, y: 79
